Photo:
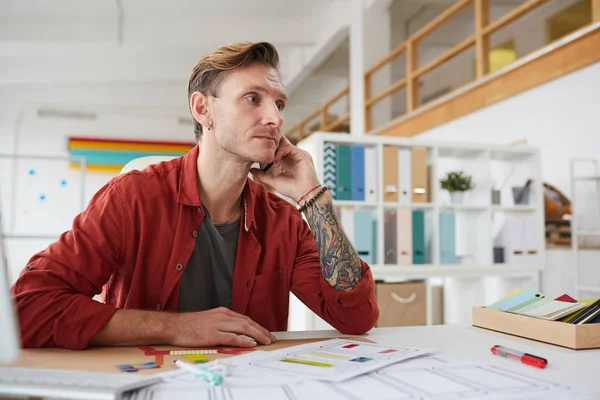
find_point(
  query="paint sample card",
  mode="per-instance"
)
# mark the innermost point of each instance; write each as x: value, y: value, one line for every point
x: 516, y: 299
x: 330, y: 360
x: 554, y: 310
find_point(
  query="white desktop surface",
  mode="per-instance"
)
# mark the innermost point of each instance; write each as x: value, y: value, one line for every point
x: 573, y: 367
x: 577, y: 368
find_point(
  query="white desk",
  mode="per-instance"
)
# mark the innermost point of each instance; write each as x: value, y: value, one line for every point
x: 572, y: 367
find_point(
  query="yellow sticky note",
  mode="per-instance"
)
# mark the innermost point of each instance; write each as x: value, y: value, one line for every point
x: 196, y: 357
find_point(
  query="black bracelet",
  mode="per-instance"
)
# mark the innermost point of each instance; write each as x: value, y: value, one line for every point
x: 312, y: 200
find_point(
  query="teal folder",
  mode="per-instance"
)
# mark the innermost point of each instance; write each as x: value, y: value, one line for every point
x: 447, y: 238
x: 418, y: 236
x: 374, y: 242
x: 364, y: 242
x: 357, y: 173
x: 329, y: 161
x: 343, y: 179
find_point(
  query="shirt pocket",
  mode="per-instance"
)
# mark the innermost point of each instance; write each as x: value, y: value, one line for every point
x: 275, y: 279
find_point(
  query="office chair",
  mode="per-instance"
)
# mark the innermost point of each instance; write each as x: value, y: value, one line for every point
x: 142, y: 162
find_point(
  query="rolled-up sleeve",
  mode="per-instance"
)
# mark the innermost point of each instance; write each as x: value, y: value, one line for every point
x: 351, y: 312
x: 54, y: 292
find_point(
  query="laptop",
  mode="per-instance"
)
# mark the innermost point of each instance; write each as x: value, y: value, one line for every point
x: 9, y: 336
x: 38, y: 382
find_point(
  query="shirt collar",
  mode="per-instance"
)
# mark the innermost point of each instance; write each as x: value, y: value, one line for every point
x: 188, y: 193
x: 250, y: 193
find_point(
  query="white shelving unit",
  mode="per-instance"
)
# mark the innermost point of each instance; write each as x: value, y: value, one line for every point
x: 577, y: 232
x: 478, y: 221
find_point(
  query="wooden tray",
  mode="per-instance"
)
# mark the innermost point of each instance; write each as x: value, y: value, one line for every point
x: 577, y: 337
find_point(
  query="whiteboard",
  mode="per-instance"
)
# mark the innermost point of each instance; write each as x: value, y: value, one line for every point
x: 40, y: 194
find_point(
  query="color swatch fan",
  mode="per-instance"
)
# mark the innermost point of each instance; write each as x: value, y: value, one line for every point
x: 533, y: 304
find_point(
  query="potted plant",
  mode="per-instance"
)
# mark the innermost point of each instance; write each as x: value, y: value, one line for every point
x: 457, y: 183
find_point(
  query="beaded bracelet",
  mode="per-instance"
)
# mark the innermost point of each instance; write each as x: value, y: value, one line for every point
x: 307, y: 193
x: 312, y: 200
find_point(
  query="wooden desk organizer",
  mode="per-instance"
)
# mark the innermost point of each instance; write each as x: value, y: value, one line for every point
x: 575, y: 337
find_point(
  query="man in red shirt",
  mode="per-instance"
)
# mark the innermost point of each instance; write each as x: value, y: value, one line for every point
x: 191, y: 252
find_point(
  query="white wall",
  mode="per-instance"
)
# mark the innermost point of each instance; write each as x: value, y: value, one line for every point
x: 332, y: 74
x: 378, y: 45
x: 135, y: 111
x: 561, y: 118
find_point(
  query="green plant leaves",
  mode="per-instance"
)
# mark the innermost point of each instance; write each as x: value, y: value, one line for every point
x: 457, y: 181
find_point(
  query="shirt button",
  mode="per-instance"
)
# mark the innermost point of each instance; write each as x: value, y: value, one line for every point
x: 158, y: 307
x: 195, y: 234
x: 29, y: 268
x: 179, y: 267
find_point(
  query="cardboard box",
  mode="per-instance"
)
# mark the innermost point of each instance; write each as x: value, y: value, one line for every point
x: 577, y: 337
x: 401, y: 304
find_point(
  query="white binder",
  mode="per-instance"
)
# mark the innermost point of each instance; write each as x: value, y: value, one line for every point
x: 371, y: 174
x: 514, y: 237
x: 404, y: 176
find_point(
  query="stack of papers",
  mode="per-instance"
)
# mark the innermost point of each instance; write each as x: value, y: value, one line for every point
x: 342, y: 369
x: 533, y: 304
x: 550, y: 309
x: 588, y: 315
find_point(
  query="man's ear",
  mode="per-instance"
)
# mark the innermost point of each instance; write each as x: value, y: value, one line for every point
x: 200, y: 109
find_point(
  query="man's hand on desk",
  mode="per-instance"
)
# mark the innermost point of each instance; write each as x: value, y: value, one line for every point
x: 219, y: 326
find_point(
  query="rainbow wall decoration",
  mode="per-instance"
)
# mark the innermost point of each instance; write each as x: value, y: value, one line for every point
x: 113, y: 154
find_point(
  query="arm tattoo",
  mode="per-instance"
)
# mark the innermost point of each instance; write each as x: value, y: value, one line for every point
x: 340, y: 264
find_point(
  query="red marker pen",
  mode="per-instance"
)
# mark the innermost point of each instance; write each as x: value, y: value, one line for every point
x: 525, y: 358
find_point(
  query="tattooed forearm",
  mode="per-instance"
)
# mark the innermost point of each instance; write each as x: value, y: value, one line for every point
x: 340, y: 264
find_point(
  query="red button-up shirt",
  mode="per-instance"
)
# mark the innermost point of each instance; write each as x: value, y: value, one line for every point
x: 134, y: 240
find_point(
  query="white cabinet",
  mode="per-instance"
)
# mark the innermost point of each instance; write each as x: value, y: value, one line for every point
x: 453, y: 244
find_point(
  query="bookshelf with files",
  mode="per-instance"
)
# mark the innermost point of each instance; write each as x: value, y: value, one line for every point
x: 406, y: 227
x: 585, y: 225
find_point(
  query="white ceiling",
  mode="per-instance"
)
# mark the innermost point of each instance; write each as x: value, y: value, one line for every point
x: 151, y: 22
x: 124, y: 39
x: 83, y: 54
x: 162, y: 8
x: 282, y: 8
x: 157, y: 42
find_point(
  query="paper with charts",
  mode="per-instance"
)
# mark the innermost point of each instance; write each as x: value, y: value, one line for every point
x: 331, y: 360
x: 422, y: 378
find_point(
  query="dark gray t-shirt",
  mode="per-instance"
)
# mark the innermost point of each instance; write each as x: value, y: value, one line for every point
x: 208, y: 276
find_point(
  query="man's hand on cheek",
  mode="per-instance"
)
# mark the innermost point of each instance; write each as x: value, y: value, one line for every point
x: 293, y: 173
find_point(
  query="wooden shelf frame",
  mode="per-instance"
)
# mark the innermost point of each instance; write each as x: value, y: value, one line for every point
x: 484, y: 28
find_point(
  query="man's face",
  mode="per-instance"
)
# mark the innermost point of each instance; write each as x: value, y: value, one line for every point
x: 248, y: 114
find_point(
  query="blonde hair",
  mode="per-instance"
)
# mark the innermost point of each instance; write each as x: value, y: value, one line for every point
x: 213, y: 68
